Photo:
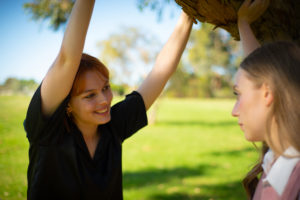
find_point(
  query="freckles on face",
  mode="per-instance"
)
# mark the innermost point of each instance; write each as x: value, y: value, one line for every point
x: 249, y: 107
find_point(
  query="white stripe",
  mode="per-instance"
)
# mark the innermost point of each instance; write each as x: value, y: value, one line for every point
x: 281, y: 170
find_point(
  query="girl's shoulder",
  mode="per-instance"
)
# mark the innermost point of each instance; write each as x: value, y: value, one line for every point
x: 296, y: 173
x: 297, y: 167
x: 40, y: 127
x: 292, y: 189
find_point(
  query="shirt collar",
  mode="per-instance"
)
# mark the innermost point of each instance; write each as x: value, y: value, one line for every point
x: 278, y: 171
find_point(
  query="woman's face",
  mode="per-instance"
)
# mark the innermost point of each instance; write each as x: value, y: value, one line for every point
x: 92, y: 106
x: 250, y: 107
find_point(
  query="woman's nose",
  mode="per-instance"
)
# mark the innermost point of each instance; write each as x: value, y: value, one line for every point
x: 102, y: 100
x: 234, y: 111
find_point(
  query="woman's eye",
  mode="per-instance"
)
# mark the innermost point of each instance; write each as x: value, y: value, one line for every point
x: 106, y: 87
x: 90, y: 96
x: 237, y: 94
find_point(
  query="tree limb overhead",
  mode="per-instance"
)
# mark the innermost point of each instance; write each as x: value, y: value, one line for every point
x: 281, y: 21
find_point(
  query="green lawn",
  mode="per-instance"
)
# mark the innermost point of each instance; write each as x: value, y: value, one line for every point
x: 195, y: 150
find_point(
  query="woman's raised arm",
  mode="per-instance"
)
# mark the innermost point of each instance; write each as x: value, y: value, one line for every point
x: 59, y: 79
x: 166, y: 61
x: 248, y: 13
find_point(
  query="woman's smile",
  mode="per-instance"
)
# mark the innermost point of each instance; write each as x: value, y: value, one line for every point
x: 103, y: 111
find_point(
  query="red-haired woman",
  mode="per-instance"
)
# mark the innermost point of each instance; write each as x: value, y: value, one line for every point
x: 75, y: 135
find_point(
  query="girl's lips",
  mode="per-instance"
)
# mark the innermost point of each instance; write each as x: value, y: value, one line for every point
x: 103, y: 111
x: 241, y: 125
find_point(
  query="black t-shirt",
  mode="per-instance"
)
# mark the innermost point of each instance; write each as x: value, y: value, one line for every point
x: 60, y: 166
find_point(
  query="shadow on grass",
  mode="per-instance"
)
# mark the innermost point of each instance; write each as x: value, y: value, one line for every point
x: 196, y: 123
x: 157, y: 176
x: 225, y: 191
x: 228, y: 191
x: 213, y: 191
x: 233, y: 153
x: 177, y: 196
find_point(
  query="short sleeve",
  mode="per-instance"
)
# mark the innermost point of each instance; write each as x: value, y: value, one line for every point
x: 129, y: 115
x: 39, y: 127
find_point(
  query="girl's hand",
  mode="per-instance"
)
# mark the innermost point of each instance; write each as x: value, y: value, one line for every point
x: 251, y: 10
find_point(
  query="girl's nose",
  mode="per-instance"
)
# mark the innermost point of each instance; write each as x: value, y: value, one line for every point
x: 234, y: 111
x: 101, y: 100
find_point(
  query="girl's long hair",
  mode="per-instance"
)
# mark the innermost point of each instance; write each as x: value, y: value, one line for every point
x: 278, y: 65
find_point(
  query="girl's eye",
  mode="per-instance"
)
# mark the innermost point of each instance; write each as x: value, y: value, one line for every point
x: 89, y: 96
x: 106, y: 87
x: 237, y: 94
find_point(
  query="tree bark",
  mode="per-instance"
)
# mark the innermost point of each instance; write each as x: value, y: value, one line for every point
x: 281, y: 21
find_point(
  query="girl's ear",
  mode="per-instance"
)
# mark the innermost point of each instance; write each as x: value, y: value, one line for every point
x: 69, y: 109
x: 268, y: 95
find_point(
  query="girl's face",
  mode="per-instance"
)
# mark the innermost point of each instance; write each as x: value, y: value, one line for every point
x: 92, y: 106
x: 251, y: 107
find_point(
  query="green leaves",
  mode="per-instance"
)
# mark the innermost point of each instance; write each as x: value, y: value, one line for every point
x: 56, y: 11
x: 210, y: 48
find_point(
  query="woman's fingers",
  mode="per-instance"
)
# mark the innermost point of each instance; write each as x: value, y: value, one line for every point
x: 251, y: 11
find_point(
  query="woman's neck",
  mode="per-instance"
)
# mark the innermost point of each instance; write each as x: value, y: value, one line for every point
x: 277, y: 145
x: 88, y: 131
x: 90, y: 136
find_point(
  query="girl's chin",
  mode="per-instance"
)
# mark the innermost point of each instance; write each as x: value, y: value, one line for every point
x: 252, y: 139
x: 104, y: 120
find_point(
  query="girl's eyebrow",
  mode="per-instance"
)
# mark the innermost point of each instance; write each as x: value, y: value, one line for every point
x: 87, y: 91
x: 106, y: 82
x: 90, y: 90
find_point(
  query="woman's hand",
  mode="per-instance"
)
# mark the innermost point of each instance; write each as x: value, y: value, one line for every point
x: 248, y: 13
x: 251, y: 11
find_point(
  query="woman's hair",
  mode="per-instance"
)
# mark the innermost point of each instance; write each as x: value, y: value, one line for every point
x: 278, y: 65
x: 87, y: 63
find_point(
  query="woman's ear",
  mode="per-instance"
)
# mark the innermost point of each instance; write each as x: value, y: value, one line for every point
x: 268, y: 94
x: 69, y: 109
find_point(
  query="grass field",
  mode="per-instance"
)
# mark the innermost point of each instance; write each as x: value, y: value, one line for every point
x: 195, y: 150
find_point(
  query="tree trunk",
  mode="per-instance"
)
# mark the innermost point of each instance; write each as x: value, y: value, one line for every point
x: 281, y: 21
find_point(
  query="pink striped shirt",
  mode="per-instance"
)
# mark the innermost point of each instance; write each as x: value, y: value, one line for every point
x: 288, y: 191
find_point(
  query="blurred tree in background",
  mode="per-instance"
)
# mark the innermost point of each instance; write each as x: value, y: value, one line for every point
x: 56, y: 11
x: 212, y: 60
x: 130, y: 53
x: 18, y: 86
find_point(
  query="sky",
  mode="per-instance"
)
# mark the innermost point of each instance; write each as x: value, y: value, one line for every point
x: 29, y: 47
